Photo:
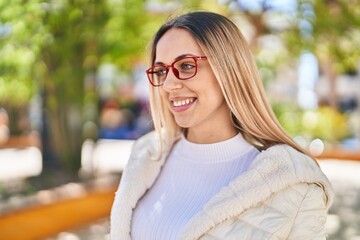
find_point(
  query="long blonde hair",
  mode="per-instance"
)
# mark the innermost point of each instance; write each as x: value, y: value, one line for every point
x: 235, y: 69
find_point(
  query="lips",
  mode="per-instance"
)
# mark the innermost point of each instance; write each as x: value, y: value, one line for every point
x: 182, y: 104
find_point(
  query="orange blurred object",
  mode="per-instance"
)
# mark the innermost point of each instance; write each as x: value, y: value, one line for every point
x: 49, y: 219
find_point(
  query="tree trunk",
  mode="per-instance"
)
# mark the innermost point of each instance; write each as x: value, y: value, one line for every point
x: 331, y: 75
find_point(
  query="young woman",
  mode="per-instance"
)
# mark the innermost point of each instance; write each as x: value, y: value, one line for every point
x: 218, y: 165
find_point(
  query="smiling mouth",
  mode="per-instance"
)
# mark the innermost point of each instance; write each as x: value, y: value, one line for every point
x: 183, y: 102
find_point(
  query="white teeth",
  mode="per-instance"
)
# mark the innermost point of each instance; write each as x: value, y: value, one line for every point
x: 182, y: 102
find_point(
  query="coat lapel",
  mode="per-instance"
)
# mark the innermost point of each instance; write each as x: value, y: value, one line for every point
x: 138, y: 177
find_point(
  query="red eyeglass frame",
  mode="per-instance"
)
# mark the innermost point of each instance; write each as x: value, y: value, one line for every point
x: 175, y: 71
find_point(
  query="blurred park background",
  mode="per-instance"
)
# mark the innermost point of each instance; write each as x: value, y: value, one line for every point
x: 74, y: 97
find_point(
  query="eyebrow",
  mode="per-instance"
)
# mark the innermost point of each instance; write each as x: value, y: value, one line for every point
x: 178, y: 57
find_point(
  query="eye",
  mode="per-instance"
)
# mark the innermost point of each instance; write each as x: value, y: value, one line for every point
x: 159, y: 71
x: 187, y: 66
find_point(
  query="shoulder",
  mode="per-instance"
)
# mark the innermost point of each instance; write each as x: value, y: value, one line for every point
x: 281, y: 166
x: 146, y: 141
x: 147, y: 151
x: 141, y: 152
x: 142, y: 164
x: 146, y: 145
x: 284, y: 157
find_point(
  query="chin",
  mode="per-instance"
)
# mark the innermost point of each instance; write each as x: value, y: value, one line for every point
x: 183, y: 124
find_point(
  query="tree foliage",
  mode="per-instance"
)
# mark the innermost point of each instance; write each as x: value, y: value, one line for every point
x: 55, y: 48
x: 330, y: 29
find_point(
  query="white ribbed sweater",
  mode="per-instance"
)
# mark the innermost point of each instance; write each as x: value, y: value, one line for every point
x: 192, y: 174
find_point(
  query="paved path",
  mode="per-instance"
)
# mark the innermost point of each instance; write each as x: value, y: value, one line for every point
x: 344, y: 216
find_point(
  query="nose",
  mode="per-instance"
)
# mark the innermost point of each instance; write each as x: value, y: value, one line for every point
x: 171, y: 82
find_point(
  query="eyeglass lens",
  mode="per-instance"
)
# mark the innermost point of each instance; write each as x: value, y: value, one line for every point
x: 183, y: 69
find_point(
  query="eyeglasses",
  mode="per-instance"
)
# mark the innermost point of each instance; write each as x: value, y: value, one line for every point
x: 183, y: 69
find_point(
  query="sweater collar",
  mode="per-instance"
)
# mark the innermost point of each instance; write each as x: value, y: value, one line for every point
x: 214, y: 152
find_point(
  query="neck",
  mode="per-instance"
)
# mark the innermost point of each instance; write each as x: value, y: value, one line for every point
x: 210, y: 137
x: 216, y: 134
x: 215, y: 128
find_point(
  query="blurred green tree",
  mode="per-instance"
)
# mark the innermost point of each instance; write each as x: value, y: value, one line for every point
x: 55, y: 48
x: 70, y: 50
x: 331, y: 30
x: 18, y: 53
x: 325, y: 123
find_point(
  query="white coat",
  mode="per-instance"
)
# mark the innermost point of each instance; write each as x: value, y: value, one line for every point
x: 283, y: 195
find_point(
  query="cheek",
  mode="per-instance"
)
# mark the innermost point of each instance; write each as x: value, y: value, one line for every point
x: 215, y: 88
x: 163, y: 94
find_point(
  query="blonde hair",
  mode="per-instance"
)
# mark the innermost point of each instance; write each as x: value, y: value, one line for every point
x: 235, y: 69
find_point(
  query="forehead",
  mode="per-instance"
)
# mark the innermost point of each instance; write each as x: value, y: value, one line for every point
x: 176, y: 42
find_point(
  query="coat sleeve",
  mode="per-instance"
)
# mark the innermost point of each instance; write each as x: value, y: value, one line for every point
x: 296, y: 213
x: 310, y: 219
